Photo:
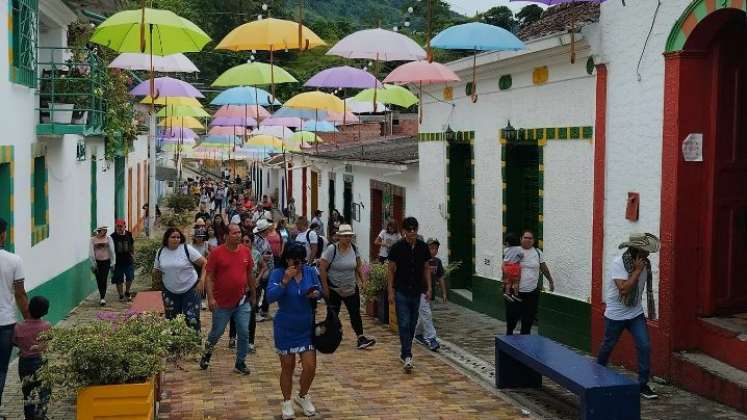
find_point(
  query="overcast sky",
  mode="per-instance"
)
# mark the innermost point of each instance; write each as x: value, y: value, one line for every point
x: 469, y: 7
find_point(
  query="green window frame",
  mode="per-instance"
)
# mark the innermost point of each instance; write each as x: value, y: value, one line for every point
x: 23, y: 37
x: 39, y: 200
x: 6, y: 193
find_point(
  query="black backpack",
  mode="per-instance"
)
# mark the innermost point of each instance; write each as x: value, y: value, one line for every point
x: 334, y: 254
x: 319, y: 244
x: 330, y: 333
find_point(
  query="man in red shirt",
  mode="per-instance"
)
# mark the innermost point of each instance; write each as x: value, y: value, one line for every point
x: 231, y: 293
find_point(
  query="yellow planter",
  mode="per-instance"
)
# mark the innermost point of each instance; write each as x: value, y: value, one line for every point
x: 110, y: 402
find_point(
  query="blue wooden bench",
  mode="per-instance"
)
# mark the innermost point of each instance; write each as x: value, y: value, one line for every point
x: 522, y: 360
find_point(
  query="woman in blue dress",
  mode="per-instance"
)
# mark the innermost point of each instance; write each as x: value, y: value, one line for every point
x: 295, y: 287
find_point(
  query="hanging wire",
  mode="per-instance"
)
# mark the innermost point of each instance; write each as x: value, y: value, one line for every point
x: 650, y: 30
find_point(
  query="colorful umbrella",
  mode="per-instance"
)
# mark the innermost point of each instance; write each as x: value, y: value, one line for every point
x: 343, y: 77
x: 318, y: 101
x: 175, y: 63
x: 391, y: 94
x: 378, y: 44
x: 233, y: 122
x: 176, y: 140
x: 306, y: 114
x: 319, y: 126
x: 172, y: 100
x: 421, y: 72
x: 182, y: 111
x: 227, y: 131
x: 167, y: 86
x: 244, y: 95
x: 358, y: 107
x: 265, y: 140
x: 305, y: 137
x: 185, y: 133
x: 476, y: 36
x: 344, y: 119
x: 275, y: 131
x: 292, y: 122
x: 254, y: 74
x: 240, y: 111
x: 182, y: 122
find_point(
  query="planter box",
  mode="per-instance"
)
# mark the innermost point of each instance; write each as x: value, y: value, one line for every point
x: 372, y: 308
x: 61, y: 113
x: 127, y: 401
x: 383, y: 309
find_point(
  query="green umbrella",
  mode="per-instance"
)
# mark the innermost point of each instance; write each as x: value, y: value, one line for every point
x: 305, y: 137
x: 254, y: 74
x: 389, y: 94
x: 182, y: 111
x: 160, y: 32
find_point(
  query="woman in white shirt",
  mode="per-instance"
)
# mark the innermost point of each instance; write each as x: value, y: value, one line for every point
x: 176, y: 261
x: 386, y: 239
x: 102, y: 256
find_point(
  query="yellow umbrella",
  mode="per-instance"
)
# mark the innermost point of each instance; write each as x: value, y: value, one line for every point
x: 318, y: 101
x: 265, y: 140
x: 182, y: 111
x: 175, y: 100
x: 184, y: 122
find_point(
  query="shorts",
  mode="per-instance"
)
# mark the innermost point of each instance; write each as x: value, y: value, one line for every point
x: 122, y: 272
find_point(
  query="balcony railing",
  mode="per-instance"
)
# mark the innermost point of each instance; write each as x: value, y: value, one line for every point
x: 71, y: 86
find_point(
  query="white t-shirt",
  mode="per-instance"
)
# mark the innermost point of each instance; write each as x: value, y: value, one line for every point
x: 388, y: 240
x: 530, y: 269
x: 11, y: 270
x: 178, y: 273
x: 313, y: 240
x: 616, y: 310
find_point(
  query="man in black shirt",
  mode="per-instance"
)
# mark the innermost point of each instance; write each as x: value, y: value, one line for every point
x: 124, y: 268
x: 408, y: 277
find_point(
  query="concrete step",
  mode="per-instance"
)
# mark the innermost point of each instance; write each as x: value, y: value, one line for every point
x: 723, y: 339
x: 705, y: 375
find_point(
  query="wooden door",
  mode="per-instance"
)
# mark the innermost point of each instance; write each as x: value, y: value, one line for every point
x: 398, y: 208
x: 377, y: 221
x: 314, y: 192
x: 729, y: 242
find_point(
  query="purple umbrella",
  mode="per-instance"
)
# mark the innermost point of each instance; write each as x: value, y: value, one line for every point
x: 233, y: 121
x: 167, y: 87
x: 283, y: 122
x: 343, y: 77
x: 185, y: 133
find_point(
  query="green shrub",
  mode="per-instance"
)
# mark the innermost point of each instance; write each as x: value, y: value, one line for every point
x: 145, y: 253
x: 177, y: 220
x: 377, y: 281
x: 114, y: 351
x: 180, y: 203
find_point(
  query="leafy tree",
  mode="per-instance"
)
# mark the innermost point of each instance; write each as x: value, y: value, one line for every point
x: 529, y: 14
x: 500, y: 16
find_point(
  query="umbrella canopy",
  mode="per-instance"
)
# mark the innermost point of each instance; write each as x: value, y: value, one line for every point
x: 182, y: 111
x: 176, y: 140
x: 477, y: 36
x: 359, y: 107
x: 175, y: 63
x: 319, y: 126
x: 270, y: 34
x: 378, y: 44
x: 293, y: 122
x: 390, y: 94
x: 219, y: 141
x: 306, y: 114
x: 316, y: 100
x: 343, y: 77
x: 173, y: 100
x: 178, y: 132
x: 265, y: 141
x: 254, y: 74
x: 305, y: 137
x: 244, y: 95
x: 167, y: 86
x: 242, y: 111
x: 422, y: 72
x: 556, y: 2
x: 346, y: 118
x: 228, y: 131
x: 275, y: 131
x: 187, y: 122
x: 233, y: 122
x: 165, y: 33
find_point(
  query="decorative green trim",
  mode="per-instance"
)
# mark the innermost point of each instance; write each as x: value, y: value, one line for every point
x: 23, y: 29
x: 505, y: 82
x: 94, y: 194
x: 66, y: 290
x: 431, y: 137
x: 7, y: 205
x: 694, y: 14
x: 541, y: 135
x: 39, y: 200
x: 458, y: 137
x: 460, y: 181
x: 120, y: 199
x: 590, y: 66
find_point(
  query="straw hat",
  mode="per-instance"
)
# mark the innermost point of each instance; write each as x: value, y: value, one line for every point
x: 345, y: 230
x: 262, y: 225
x: 643, y: 241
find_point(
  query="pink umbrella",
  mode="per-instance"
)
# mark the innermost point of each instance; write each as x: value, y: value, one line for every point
x: 242, y: 111
x: 233, y: 121
x: 228, y: 131
x: 421, y: 72
x: 290, y: 122
x: 167, y: 87
x: 347, y: 118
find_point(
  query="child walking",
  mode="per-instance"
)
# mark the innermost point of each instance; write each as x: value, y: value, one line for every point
x: 26, y: 338
x: 512, y: 256
x: 425, y: 331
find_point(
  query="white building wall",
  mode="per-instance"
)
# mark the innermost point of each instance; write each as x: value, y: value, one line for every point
x: 567, y: 99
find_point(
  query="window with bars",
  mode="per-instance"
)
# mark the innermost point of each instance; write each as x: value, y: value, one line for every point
x: 23, y: 42
x: 39, y: 201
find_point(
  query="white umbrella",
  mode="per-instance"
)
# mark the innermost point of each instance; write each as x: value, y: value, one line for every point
x: 273, y: 130
x: 175, y: 63
x: 358, y: 107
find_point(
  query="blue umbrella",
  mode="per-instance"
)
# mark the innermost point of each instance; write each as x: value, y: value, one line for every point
x: 476, y: 36
x: 319, y: 126
x: 244, y: 95
x: 221, y: 140
x: 305, y: 114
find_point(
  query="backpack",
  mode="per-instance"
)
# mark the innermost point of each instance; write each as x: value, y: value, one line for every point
x: 319, y: 244
x: 197, y: 268
x: 334, y: 254
x: 328, y: 333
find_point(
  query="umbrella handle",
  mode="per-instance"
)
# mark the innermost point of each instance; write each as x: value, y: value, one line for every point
x: 474, y: 79
x: 420, y: 106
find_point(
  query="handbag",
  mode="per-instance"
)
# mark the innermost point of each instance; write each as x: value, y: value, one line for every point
x: 327, y: 335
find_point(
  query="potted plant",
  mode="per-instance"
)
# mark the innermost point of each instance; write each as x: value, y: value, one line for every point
x: 112, y: 365
x: 145, y: 255
x: 373, y: 284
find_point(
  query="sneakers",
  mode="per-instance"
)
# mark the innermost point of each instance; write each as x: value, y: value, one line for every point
x: 205, y: 359
x: 305, y: 403
x: 250, y: 348
x: 648, y: 393
x: 287, y: 409
x: 364, y: 342
x: 242, y: 368
x: 261, y: 316
x: 203, y: 305
x: 407, y: 364
x: 434, y: 345
x: 121, y: 298
x: 129, y: 297
x: 420, y: 339
x: 102, y: 302
x: 231, y: 343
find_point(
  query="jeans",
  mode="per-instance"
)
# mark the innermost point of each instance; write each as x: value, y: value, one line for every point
x: 240, y: 315
x: 252, y: 325
x: 102, y: 273
x: 35, y: 395
x: 425, y: 321
x: 407, y: 319
x: 353, y: 304
x: 637, y: 327
x: 526, y: 311
x: 6, y: 348
x: 187, y: 303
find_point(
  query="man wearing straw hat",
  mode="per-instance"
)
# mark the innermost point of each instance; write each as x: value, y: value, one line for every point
x: 628, y: 277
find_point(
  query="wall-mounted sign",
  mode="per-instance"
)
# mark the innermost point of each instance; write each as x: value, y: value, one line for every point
x: 692, y: 148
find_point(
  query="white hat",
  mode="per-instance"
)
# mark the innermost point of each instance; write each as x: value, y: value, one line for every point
x: 267, y: 215
x: 262, y: 225
x: 345, y: 230
x: 236, y: 219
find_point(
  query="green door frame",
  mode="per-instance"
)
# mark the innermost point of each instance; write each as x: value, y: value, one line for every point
x: 94, y: 193
x: 120, y: 165
x: 460, y: 173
